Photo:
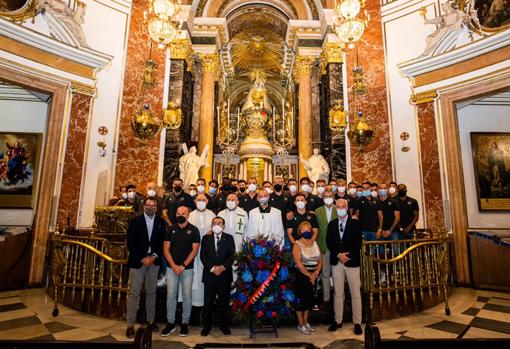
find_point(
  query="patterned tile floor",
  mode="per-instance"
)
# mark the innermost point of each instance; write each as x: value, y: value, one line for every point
x: 26, y: 314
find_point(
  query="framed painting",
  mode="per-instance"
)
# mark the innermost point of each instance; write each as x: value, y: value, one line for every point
x: 493, y: 15
x: 19, y: 164
x: 491, y: 163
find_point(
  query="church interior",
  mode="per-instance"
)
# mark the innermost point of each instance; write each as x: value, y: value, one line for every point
x: 162, y: 101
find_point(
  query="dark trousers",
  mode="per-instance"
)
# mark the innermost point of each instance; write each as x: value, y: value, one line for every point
x: 218, y: 292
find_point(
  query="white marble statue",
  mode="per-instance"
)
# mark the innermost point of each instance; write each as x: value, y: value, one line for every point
x: 190, y: 163
x: 316, y: 166
x: 452, y: 29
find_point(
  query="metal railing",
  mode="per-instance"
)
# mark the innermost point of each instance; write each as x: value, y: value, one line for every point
x: 91, y: 267
x: 393, y: 271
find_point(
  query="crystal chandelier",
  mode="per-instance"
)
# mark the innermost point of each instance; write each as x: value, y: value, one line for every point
x: 349, y: 26
x: 161, y: 27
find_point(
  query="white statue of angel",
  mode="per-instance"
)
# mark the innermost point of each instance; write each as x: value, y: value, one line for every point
x: 191, y: 163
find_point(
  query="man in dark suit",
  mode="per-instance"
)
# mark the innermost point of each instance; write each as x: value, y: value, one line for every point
x: 217, y: 255
x: 343, y: 239
x: 145, y: 246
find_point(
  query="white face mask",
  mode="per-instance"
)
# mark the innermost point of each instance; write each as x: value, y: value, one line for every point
x: 392, y: 190
x: 201, y: 189
x: 131, y: 195
x: 217, y: 229
x: 193, y: 192
x: 124, y: 196
x: 263, y: 201
x: 352, y: 191
x: 341, y: 190
x: 300, y: 204
x: 328, y: 201
x: 269, y: 190
x: 305, y: 188
x: 292, y: 188
x: 151, y: 193
x: 321, y: 190
x: 373, y: 193
x: 252, y: 187
x: 201, y: 205
x: 341, y: 212
x: 231, y: 205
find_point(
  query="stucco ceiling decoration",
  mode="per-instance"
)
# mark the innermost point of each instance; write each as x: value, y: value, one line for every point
x: 225, y: 9
x: 257, y: 16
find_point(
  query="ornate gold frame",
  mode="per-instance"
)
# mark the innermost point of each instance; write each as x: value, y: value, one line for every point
x: 25, y: 12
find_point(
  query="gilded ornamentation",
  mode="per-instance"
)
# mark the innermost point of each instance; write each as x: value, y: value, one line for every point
x: 337, y: 117
x: 144, y: 124
x: 172, y: 116
x: 423, y: 97
x: 181, y: 49
x: 25, y: 11
x: 210, y: 62
x: 77, y: 87
x: 332, y: 52
x: 149, y: 80
x: 303, y: 65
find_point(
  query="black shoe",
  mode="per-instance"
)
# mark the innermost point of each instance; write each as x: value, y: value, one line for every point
x: 357, y: 329
x: 153, y: 326
x: 130, y: 332
x: 205, y: 331
x: 334, y: 326
x: 184, y: 330
x: 225, y: 331
x: 169, y: 328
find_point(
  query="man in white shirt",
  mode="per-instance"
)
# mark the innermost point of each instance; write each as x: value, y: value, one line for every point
x: 236, y: 220
x: 266, y: 221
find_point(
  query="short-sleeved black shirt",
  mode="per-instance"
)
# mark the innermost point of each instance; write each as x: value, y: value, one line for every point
x: 313, y: 202
x: 368, y: 213
x: 407, y: 208
x: 181, y: 242
x: 247, y: 203
x: 220, y: 202
x: 388, y: 208
x: 173, y: 202
x: 280, y: 202
x: 298, y: 219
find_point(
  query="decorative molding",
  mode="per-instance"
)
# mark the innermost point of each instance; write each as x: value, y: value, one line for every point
x: 423, y: 97
x: 83, y: 89
x: 332, y: 52
x: 182, y: 49
x: 210, y: 62
x: 303, y: 65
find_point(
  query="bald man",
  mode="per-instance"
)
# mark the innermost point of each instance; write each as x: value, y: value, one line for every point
x: 236, y: 220
x: 152, y: 192
x: 266, y: 221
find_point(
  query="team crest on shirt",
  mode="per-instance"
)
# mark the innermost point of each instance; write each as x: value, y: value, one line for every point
x: 188, y: 232
x: 409, y: 203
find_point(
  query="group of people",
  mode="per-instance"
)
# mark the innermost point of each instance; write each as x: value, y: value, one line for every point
x: 193, y: 234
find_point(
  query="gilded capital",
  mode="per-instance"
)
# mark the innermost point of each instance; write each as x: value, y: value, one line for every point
x: 423, y: 97
x: 210, y: 62
x: 333, y: 52
x: 303, y: 65
x: 82, y: 89
x: 180, y: 49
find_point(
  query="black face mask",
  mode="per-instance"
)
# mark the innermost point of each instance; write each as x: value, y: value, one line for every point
x: 226, y: 187
x: 177, y: 188
x: 242, y: 189
x: 234, y: 189
x: 181, y: 219
x: 402, y: 192
x: 278, y: 187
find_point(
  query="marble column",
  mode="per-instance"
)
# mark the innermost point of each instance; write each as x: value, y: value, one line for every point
x: 303, y: 72
x: 210, y: 66
x: 74, y: 159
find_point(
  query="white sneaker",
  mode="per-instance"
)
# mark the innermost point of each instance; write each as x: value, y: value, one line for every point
x: 309, y: 327
x: 162, y: 281
x: 303, y: 330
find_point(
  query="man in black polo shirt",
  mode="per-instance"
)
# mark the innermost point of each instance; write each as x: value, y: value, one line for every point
x: 249, y: 201
x: 220, y: 200
x: 389, y: 215
x: 180, y: 248
x: 367, y: 212
x: 278, y: 199
x: 300, y: 215
x: 312, y: 201
x: 409, y: 213
x: 175, y: 200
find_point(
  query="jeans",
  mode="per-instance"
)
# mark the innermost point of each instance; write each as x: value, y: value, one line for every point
x: 393, y: 237
x: 172, y: 286
x: 370, y: 236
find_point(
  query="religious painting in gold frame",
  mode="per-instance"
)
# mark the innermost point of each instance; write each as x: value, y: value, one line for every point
x: 19, y: 166
x: 17, y: 10
x: 493, y: 15
x: 491, y: 163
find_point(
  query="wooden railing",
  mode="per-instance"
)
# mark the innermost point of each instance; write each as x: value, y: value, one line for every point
x: 403, y: 270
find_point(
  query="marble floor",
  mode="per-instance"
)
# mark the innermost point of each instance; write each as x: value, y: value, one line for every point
x: 26, y: 314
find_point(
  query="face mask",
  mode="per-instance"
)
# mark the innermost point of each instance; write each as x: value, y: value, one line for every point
x: 305, y: 188
x: 193, y: 192
x: 231, y: 205
x: 252, y: 187
x: 328, y: 201
x: 242, y: 189
x: 177, y: 188
x: 321, y: 190
x: 150, y: 211
x: 392, y: 190
x: 226, y: 188
x: 341, y: 190
x: 212, y: 190
x: 334, y: 188
x: 181, y: 219
x: 263, y: 201
x: 300, y: 204
x: 383, y: 192
x: 292, y: 188
x: 201, y: 205
x: 269, y: 190
x: 373, y: 193
x: 151, y: 193
x: 359, y: 194
x: 201, y: 189
x: 352, y: 191
x: 278, y: 187
x: 402, y: 193
x: 341, y: 212
x: 234, y: 189
x: 131, y: 195
x: 217, y: 229
x: 366, y: 193
x: 124, y: 196
x: 307, y: 235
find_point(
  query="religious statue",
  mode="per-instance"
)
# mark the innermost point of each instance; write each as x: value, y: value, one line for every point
x: 452, y: 29
x: 190, y: 163
x: 316, y: 166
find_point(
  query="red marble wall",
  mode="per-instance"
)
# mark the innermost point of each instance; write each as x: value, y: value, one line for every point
x: 73, y: 161
x: 138, y: 164
x: 375, y: 163
x: 433, y: 198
